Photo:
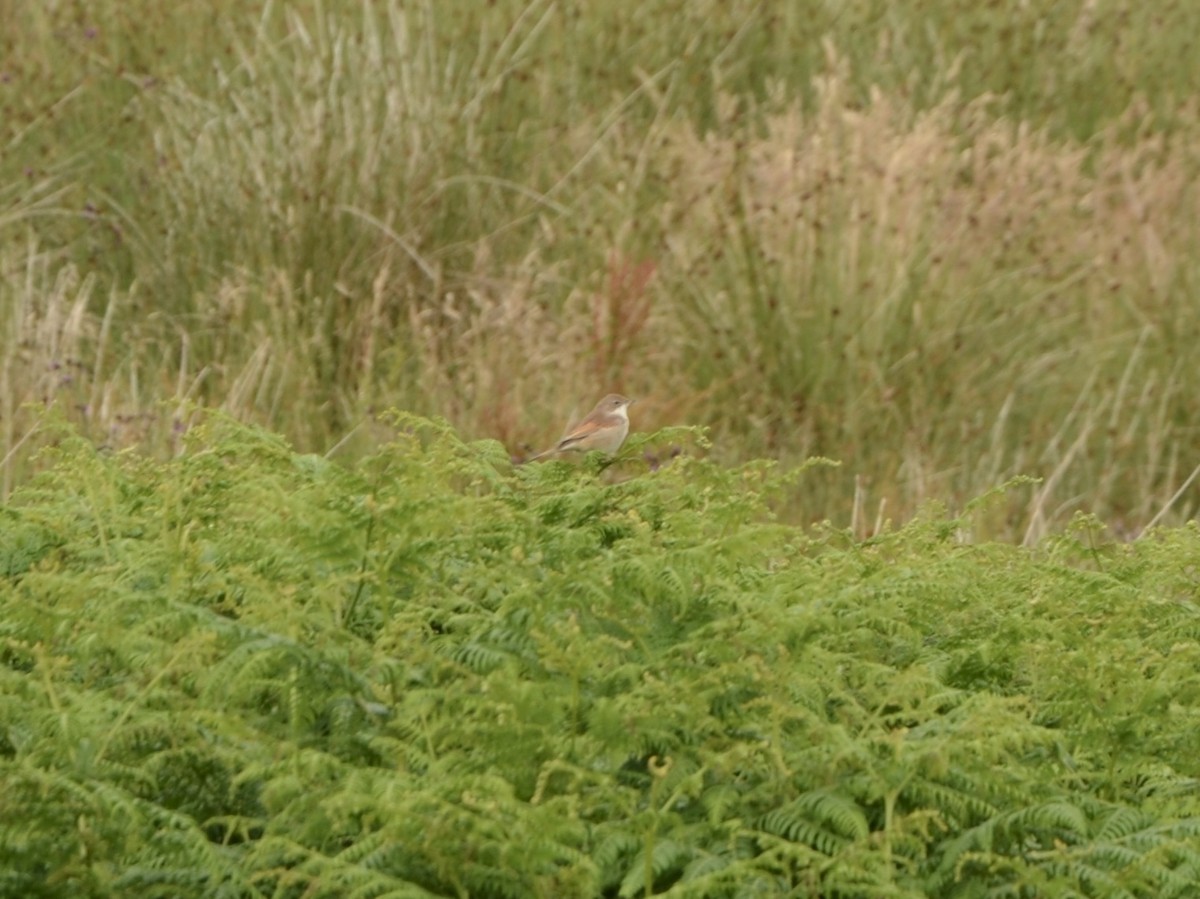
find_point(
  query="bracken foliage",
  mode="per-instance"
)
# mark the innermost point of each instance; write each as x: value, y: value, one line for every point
x: 246, y: 672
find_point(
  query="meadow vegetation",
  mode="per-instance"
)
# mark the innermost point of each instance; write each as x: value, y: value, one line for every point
x: 246, y: 672
x: 262, y: 635
x: 944, y: 242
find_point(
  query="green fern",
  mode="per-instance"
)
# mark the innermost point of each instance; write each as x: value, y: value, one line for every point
x: 242, y: 672
x: 661, y: 863
x: 819, y: 819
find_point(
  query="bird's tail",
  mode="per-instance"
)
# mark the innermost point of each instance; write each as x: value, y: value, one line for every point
x: 540, y: 455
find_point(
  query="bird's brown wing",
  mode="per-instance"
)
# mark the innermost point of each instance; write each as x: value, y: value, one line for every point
x: 580, y: 434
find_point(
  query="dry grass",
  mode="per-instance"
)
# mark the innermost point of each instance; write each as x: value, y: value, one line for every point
x: 483, y: 215
x: 942, y: 299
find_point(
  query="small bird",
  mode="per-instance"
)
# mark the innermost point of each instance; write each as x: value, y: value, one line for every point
x: 604, y: 429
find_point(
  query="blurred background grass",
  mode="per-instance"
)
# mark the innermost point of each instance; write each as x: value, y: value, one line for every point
x: 944, y: 242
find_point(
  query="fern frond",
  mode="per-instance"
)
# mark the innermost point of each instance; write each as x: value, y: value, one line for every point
x: 613, y: 853
x: 1122, y: 822
x: 820, y: 819
x: 665, y: 862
